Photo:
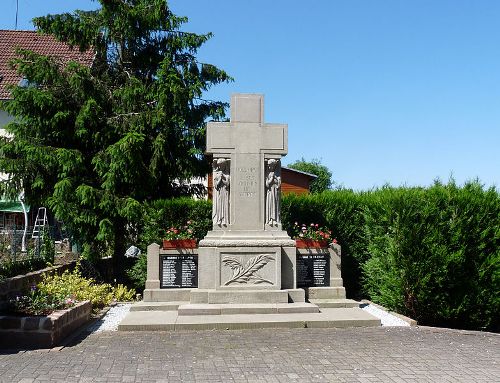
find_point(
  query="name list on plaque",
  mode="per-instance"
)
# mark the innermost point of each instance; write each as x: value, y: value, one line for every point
x: 178, y: 271
x: 313, y: 270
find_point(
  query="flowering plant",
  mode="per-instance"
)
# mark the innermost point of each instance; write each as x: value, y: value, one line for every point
x: 38, y: 302
x: 186, y: 231
x: 312, y: 232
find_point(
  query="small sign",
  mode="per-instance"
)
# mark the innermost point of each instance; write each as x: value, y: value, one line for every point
x: 313, y: 270
x: 178, y: 271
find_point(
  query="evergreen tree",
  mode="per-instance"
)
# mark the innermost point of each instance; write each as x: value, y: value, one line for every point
x: 93, y: 144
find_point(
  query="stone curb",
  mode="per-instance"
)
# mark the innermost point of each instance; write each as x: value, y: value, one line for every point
x: 455, y: 330
x: 410, y: 321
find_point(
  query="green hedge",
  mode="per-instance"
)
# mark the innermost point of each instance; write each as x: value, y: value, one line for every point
x: 435, y: 254
x: 430, y: 253
x: 159, y: 216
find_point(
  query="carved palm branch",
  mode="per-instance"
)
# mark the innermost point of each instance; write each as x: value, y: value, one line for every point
x: 243, y: 274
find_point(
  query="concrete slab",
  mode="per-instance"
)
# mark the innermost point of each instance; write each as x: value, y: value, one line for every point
x: 149, y: 321
x: 157, y: 306
x: 263, y: 308
x: 334, y: 303
x: 326, y: 293
x: 169, y: 320
x: 199, y: 309
x: 288, y: 308
x: 249, y: 308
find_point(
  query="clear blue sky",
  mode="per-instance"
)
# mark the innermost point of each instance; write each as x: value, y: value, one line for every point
x: 394, y: 92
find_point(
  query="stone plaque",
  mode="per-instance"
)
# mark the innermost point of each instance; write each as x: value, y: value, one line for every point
x: 178, y: 271
x: 313, y: 270
x: 248, y: 269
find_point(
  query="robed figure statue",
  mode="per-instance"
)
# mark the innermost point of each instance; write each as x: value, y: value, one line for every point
x: 220, y: 215
x: 273, y: 184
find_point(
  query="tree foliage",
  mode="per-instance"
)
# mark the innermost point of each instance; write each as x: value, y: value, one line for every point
x: 94, y: 143
x: 324, y: 180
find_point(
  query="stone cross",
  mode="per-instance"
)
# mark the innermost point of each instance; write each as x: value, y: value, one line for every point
x: 246, y: 142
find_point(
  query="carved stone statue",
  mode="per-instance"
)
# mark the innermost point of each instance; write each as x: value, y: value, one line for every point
x: 220, y: 212
x: 273, y: 184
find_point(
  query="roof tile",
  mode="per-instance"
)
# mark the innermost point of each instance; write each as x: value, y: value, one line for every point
x: 39, y: 43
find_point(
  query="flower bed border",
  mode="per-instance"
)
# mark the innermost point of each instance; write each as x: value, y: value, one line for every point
x: 43, y: 331
x: 311, y: 243
x: 169, y: 244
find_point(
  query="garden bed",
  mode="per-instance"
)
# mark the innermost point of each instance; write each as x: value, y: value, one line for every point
x: 29, y: 332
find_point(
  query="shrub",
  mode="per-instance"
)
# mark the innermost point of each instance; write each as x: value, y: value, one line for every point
x: 73, y: 284
x: 162, y: 214
x: 123, y: 294
x: 38, y: 302
x: 138, y: 272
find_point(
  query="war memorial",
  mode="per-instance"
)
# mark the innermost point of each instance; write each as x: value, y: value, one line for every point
x: 247, y: 272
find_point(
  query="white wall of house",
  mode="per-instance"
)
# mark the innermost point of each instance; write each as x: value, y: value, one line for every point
x: 5, y: 118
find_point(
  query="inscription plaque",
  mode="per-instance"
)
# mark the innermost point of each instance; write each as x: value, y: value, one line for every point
x: 178, y: 271
x: 313, y: 270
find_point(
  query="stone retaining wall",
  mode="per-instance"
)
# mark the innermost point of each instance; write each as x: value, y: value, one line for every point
x: 11, y: 286
x: 42, y: 331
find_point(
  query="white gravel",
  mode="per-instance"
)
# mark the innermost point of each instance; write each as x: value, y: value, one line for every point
x: 112, y: 318
x: 386, y: 318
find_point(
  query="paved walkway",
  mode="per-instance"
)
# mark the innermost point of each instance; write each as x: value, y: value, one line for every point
x: 296, y: 355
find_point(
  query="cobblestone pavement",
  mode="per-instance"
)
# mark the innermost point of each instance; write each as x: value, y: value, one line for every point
x: 273, y: 355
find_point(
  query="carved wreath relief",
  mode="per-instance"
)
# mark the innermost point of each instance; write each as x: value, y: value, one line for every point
x: 273, y: 185
x: 247, y: 273
x: 221, y: 178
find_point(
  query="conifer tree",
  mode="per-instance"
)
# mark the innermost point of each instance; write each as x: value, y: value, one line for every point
x: 93, y: 144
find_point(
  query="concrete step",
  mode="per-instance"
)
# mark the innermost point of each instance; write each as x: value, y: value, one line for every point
x: 334, y: 303
x: 238, y: 296
x: 157, y: 306
x: 262, y: 308
x: 171, y: 321
x: 335, y: 292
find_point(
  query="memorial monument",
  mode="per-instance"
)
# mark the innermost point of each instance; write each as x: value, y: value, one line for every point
x: 247, y: 265
x: 247, y: 257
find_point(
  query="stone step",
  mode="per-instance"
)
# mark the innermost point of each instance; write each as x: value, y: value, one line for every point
x: 334, y: 303
x: 171, y: 321
x: 157, y: 306
x: 230, y: 309
x: 238, y: 296
x: 335, y: 292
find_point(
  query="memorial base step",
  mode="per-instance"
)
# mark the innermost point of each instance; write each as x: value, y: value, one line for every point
x: 238, y: 296
x: 325, y: 293
x: 231, y: 309
x: 172, y: 321
x: 157, y: 306
x: 334, y: 303
x: 166, y: 295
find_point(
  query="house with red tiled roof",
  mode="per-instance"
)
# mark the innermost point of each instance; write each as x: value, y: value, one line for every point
x: 43, y: 44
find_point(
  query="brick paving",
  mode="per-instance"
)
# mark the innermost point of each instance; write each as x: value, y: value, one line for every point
x: 271, y: 355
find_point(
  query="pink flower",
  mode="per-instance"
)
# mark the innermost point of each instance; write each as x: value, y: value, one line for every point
x: 316, y: 225
x: 334, y: 240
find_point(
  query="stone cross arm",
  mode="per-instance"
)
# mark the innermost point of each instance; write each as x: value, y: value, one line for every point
x: 247, y: 133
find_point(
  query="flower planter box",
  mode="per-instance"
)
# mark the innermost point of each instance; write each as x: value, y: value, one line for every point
x: 309, y: 243
x: 44, y: 331
x: 179, y: 244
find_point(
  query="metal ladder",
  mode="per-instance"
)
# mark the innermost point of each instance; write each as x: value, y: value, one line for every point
x: 40, y: 222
